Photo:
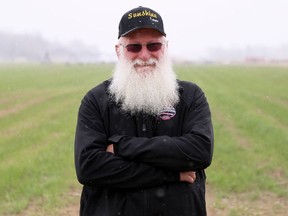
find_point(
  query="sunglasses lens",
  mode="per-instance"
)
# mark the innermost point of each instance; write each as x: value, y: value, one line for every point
x: 134, y: 48
x: 153, y: 47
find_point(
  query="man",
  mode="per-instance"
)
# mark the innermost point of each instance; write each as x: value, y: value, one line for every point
x: 143, y: 138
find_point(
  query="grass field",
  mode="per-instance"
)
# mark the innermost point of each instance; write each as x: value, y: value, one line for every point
x: 38, y: 110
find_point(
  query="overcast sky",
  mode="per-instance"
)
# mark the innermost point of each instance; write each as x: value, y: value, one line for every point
x: 192, y: 26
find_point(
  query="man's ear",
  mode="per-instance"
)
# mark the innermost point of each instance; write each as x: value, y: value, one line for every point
x: 117, y: 50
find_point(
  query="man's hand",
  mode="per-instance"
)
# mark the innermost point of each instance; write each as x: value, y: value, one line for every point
x: 110, y: 148
x: 189, y: 176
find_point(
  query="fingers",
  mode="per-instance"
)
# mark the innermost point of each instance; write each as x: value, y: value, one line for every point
x: 189, y: 176
x: 193, y: 175
x: 192, y: 179
x: 110, y: 148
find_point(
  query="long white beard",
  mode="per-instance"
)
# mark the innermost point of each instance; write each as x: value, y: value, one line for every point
x: 148, y: 91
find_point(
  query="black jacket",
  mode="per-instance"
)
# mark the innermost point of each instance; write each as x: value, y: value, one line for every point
x: 142, y: 176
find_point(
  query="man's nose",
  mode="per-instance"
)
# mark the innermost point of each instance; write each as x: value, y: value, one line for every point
x: 144, y: 54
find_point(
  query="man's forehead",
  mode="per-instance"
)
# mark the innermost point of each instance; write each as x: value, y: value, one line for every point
x: 144, y: 33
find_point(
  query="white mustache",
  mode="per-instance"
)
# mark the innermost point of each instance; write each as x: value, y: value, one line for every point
x: 149, y: 62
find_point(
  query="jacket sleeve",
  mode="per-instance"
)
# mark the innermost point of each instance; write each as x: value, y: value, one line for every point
x: 95, y: 166
x: 191, y: 151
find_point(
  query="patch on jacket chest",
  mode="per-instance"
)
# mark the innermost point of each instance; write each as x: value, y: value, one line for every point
x: 167, y: 113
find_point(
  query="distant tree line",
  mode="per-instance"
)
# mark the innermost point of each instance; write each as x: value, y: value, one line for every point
x: 34, y: 48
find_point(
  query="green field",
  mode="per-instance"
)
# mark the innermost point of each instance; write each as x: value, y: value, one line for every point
x: 38, y: 110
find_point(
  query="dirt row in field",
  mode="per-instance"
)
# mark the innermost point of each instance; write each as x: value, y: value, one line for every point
x: 266, y: 204
x: 248, y: 204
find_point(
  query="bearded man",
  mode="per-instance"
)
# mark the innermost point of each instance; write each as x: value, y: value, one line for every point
x: 143, y: 138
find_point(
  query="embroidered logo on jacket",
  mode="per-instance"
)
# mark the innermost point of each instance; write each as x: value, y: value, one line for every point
x: 167, y: 113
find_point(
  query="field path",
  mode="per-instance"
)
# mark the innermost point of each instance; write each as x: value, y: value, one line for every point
x: 239, y: 204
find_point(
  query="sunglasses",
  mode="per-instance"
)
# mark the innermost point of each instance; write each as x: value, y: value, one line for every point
x: 135, y: 48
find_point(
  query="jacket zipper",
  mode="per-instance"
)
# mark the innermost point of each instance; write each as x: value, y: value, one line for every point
x: 145, y: 203
x: 144, y: 133
x: 144, y: 126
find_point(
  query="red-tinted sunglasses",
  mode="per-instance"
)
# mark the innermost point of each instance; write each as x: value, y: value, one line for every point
x: 135, y: 48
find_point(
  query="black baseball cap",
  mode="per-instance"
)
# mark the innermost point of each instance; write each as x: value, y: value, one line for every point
x: 139, y: 18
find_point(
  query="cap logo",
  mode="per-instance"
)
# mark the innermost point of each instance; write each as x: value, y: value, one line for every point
x: 142, y: 14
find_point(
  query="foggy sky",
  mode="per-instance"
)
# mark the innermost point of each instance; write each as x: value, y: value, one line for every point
x: 192, y: 26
